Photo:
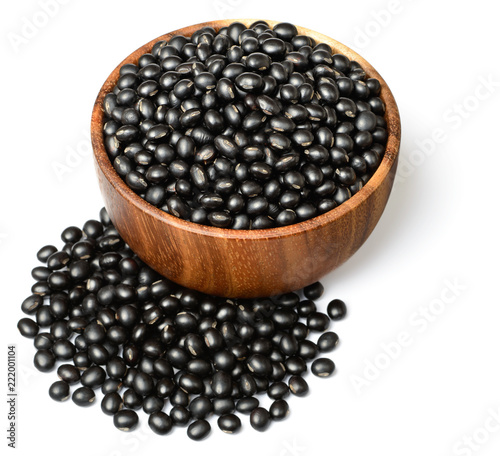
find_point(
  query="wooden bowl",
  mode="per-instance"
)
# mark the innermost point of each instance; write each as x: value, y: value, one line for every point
x: 249, y: 263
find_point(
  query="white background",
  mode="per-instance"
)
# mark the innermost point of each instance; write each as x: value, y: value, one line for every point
x: 440, y: 226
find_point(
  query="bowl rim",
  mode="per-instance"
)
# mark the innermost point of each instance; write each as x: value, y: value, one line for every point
x: 385, y: 168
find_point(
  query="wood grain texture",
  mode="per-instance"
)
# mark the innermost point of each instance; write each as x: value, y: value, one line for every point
x: 248, y: 263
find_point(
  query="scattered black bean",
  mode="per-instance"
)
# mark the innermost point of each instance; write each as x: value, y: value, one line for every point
x: 229, y: 423
x: 336, y: 309
x: 69, y: 373
x: 44, y: 360
x: 125, y: 420
x: 279, y: 409
x: 28, y: 328
x: 198, y: 429
x: 59, y: 391
x: 298, y: 385
x: 160, y: 423
x: 160, y: 341
x: 260, y: 419
x: 322, y: 367
x: 111, y: 403
x: 83, y: 396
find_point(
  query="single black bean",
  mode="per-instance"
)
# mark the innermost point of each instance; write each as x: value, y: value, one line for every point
x: 132, y: 400
x: 314, y: 291
x: 322, y: 367
x: 200, y: 407
x: 68, y: 373
x: 327, y: 341
x: 59, y: 391
x: 298, y: 385
x: 44, y: 360
x: 152, y: 404
x: 318, y: 321
x: 160, y: 423
x: 279, y: 409
x: 336, y: 309
x: 247, y: 404
x: 260, y: 419
x: 125, y: 420
x: 83, y: 396
x: 295, y: 365
x: 28, y: 328
x: 93, y: 377
x: 45, y: 252
x: 229, y: 423
x: 43, y: 341
x: 180, y: 415
x: 198, y: 429
x: 111, y: 403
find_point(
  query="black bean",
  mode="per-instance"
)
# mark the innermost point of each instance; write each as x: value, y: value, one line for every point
x: 93, y: 377
x: 82, y: 360
x: 43, y: 341
x: 152, y: 404
x: 279, y: 409
x: 258, y: 61
x: 179, y: 415
x: 111, y: 386
x: 318, y: 321
x: 336, y: 309
x: 260, y: 419
x: 294, y: 180
x: 229, y: 423
x: 45, y: 252
x: 307, y: 349
x: 247, y: 405
x: 28, y: 328
x: 132, y: 400
x: 143, y: 384
x: 63, y: 349
x: 44, y: 316
x: 219, y: 219
x: 314, y: 291
x: 226, y: 146
x: 295, y: 365
x: 221, y: 384
x: 298, y: 385
x: 57, y: 260
x: 44, y: 360
x: 278, y: 390
x: 68, y: 373
x: 327, y: 341
x: 322, y: 367
x: 200, y: 407
x: 60, y: 329
x: 160, y: 423
x: 249, y: 82
x: 259, y: 365
x: 125, y: 420
x: 59, y: 391
x: 111, y: 403
x: 83, y: 396
x: 289, y: 345
x: 198, y: 429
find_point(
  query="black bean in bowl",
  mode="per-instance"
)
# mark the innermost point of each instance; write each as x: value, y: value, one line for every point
x: 245, y: 128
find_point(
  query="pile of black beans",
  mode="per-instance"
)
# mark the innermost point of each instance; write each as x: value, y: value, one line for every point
x: 245, y: 128
x: 111, y: 322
